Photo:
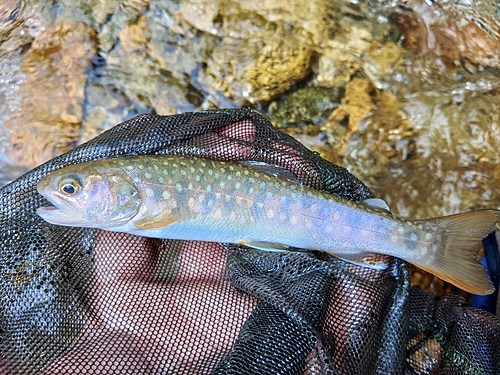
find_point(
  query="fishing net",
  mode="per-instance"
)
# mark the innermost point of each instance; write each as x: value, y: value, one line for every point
x: 86, y: 301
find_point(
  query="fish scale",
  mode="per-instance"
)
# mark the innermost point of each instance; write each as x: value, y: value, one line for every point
x: 198, y: 199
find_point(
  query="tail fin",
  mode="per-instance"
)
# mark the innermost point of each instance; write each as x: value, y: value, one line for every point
x: 455, y: 260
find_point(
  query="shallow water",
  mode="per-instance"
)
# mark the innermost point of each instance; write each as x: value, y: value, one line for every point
x: 406, y: 95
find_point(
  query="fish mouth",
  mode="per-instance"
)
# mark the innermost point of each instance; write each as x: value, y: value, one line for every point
x: 56, y: 216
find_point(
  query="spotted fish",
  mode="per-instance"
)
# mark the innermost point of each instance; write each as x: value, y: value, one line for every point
x: 197, y: 199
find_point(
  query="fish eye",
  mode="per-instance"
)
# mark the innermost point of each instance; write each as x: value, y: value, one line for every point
x: 70, y: 186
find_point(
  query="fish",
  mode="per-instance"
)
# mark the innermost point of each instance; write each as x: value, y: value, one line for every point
x: 189, y: 198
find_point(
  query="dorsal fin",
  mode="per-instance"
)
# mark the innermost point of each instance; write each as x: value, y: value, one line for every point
x: 377, y: 203
x: 272, y: 170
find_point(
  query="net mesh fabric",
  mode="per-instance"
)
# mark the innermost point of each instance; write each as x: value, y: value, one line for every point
x: 78, y: 301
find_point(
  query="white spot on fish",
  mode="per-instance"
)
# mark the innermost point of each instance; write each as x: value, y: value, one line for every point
x: 237, y: 185
x: 161, y: 179
x: 191, y: 202
x: 269, y: 194
x: 251, y: 190
x: 401, y: 230
x: 238, y: 200
x: 245, y: 172
x: 293, y: 220
x: 222, y: 184
x: 222, y: 170
x: 140, y: 166
x: 309, y: 224
x: 428, y: 236
x: 192, y: 170
x: 150, y: 192
x: 209, y: 188
x: 129, y: 167
x: 413, y: 236
x: 270, y: 213
x: 166, y: 194
x: 155, y: 167
x: 394, y: 238
x: 198, y: 178
x: 231, y: 168
x: 228, y: 198
x: 218, y: 213
x: 229, y: 177
x: 238, y: 174
x: 249, y: 203
x: 329, y: 229
x: 282, y: 217
x: 201, y: 198
x: 179, y: 187
x: 423, y: 251
x: 203, y: 164
x: 435, y: 247
x: 183, y: 172
x: 233, y: 215
x: 190, y: 185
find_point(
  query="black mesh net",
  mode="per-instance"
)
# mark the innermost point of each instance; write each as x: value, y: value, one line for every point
x: 85, y: 301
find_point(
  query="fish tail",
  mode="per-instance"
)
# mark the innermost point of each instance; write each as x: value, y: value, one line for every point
x: 452, y: 256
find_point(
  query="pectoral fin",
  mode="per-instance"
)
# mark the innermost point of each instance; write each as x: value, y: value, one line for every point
x: 165, y: 219
x: 265, y: 246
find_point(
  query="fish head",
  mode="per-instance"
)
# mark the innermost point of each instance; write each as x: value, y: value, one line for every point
x: 88, y: 195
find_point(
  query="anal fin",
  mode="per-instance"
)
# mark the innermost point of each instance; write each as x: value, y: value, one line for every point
x: 367, y: 260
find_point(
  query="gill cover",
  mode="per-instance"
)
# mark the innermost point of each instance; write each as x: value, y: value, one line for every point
x: 87, y: 197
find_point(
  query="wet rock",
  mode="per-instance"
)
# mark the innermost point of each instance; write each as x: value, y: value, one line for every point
x: 355, y: 34
x: 358, y: 102
x: 310, y: 105
x: 265, y: 48
x: 44, y: 96
x: 147, y: 70
x: 9, y: 9
x: 121, y: 14
x: 59, y: 57
x: 200, y: 13
x: 256, y: 68
x: 431, y: 149
x: 450, y: 36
